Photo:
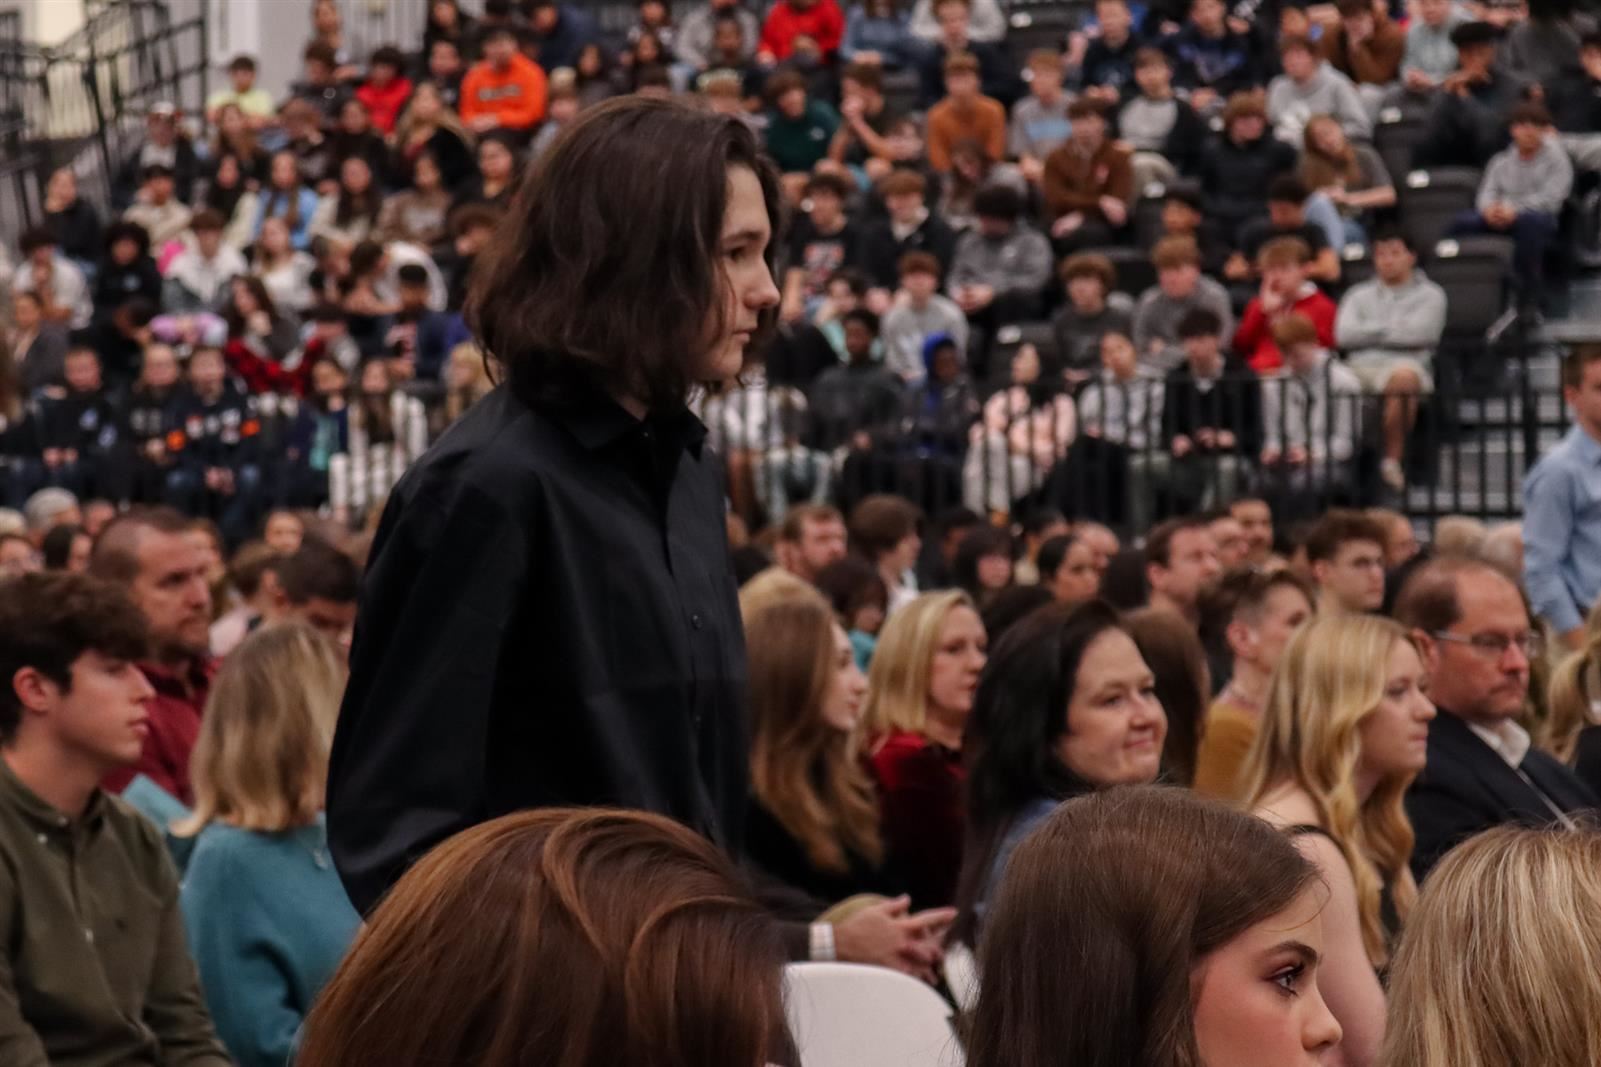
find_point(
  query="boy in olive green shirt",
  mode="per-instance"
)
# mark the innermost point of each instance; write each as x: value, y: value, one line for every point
x: 95, y: 971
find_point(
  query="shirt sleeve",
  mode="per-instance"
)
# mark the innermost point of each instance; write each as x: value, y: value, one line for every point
x: 1547, y: 532
x: 448, y: 573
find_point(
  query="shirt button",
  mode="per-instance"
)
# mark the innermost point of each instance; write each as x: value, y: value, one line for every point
x: 43, y: 840
x: 694, y: 620
x: 89, y: 935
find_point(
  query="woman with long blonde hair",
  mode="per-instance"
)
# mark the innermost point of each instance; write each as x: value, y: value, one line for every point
x: 267, y: 917
x: 1501, y: 962
x: 814, y: 822
x: 920, y: 692
x: 1344, y: 733
x: 1572, y: 728
x: 428, y: 125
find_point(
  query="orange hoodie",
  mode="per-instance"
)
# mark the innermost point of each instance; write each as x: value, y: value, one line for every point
x: 516, y: 97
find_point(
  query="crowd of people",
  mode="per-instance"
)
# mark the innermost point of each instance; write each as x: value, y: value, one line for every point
x: 1105, y: 679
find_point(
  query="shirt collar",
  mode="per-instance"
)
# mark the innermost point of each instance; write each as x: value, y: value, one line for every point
x: 1510, y: 741
x: 40, y: 813
x: 597, y: 421
x: 183, y: 681
x: 1589, y: 448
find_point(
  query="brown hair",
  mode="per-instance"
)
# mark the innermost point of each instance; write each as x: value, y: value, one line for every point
x: 609, y: 267
x: 961, y: 62
x: 869, y: 76
x: 1044, y: 59
x: 1283, y: 252
x: 804, y: 771
x: 918, y: 263
x: 1088, y: 265
x: 1135, y: 886
x: 1294, y: 42
x: 879, y: 523
x: 1243, y: 104
x: 902, y: 183
x: 1159, y: 542
x: 116, y: 551
x: 1169, y: 646
x: 1294, y: 329
x: 1578, y: 358
x: 1320, y: 169
x: 794, y: 525
x: 559, y: 937
x: 1172, y: 252
x: 1429, y: 600
x: 1337, y: 527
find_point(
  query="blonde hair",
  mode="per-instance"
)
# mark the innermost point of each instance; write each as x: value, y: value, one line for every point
x: 262, y: 756
x: 805, y: 771
x: 897, y: 683
x: 1459, y: 535
x: 1329, y: 680
x: 1574, y: 692
x: 448, y: 119
x: 771, y: 587
x: 1501, y: 962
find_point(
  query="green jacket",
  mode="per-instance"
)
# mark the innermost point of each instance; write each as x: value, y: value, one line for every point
x: 95, y: 971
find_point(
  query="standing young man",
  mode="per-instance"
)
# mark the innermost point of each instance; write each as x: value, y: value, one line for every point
x: 1561, y: 514
x: 96, y: 968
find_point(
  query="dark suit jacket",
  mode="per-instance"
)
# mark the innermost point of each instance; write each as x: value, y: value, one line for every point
x: 1468, y: 788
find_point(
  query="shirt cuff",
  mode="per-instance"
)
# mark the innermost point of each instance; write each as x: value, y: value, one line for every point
x: 822, y: 943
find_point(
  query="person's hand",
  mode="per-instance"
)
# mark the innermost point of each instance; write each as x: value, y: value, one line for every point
x: 1067, y: 224
x: 1336, y: 194
x: 1225, y: 439
x: 1180, y: 446
x: 982, y: 295
x: 1238, y: 25
x: 1103, y: 93
x: 852, y: 109
x: 1417, y: 81
x: 1032, y: 168
x: 1270, y: 457
x: 1203, y: 98
x: 1296, y: 456
x: 1272, y: 299
x: 1115, y: 211
x: 483, y: 123
x: 1235, y: 268
x: 886, y: 935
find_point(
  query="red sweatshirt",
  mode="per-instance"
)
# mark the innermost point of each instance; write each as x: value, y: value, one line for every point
x: 385, y: 104
x: 1254, y: 338
x: 822, y: 22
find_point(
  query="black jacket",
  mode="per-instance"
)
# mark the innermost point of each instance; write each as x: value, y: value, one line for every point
x: 777, y: 855
x: 548, y: 618
x: 879, y: 253
x: 1234, y: 177
x: 1468, y: 788
x: 225, y: 433
x: 1234, y: 403
x: 77, y: 230
x: 87, y: 422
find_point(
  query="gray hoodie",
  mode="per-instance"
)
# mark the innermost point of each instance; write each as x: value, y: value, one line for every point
x: 1158, y: 316
x: 1538, y: 184
x: 1327, y: 92
x: 1404, y: 319
x: 1020, y: 261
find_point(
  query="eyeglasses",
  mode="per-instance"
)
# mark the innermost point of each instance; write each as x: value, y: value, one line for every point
x: 1494, y: 646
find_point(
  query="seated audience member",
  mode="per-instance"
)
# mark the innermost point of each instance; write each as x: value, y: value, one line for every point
x: 349, y: 215
x: 1183, y: 685
x: 254, y: 102
x: 386, y: 89
x: 1120, y: 415
x: 1521, y: 194
x: 156, y: 208
x: 1389, y: 326
x: 38, y: 347
x: 983, y: 564
x: 18, y: 556
x: 1467, y: 120
x: 1212, y: 59
x: 1285, y: 291
x: 1039, y: 120
x: 504, y: 90
x: 964, y: 114
x: 811, y: 538
x: 859, y: 598
x: 1345, y: 551
x: 319, y: 585
x: 1248, y: 617
x: 1092, y: 311
x: 695, y: 43
x: 1400, y: 542
x: 562, y: 31
x: 809, y: 30
x: 1204, y: 925
x: 65, y: 548
x: 1477, y: 640
x: 1237, y: 165
x: 1088, y: 183
x: 799, y: 125
x: 1347, y: 181
x: 1506, y: 922
x: 919, y: 695
x: 258, y: 774
x: 1001, y: 267
x: 910, y: 227
x: 613, y: 908
x: 1575, y: 101
x: 1229, y: 536
x: 97, y: 968
x: 320, y: 85
x: 496, y: 178
x: 1287, y: 216
x: 430, y: 127
x: 149, y: 553
x: 1344, y: 732
x: 1184, y: 215
x: 1311, y: 412
x: 953, y: 36
x: 1256, y: 519
x: 1036, y: 526
x: 1164, y: 131
x: 1181, y: 565
x: 1570, y: 731
x: 1025, y: 430
x: 197, y: 277
x: 987, y: 18
x: 860, y: 142
x: 72, y: 219
x: 879, y: 33
x: 1067, y: 569
x: 1065, y: 708
x: 253, y: 575
x: 354, y: 136
x: 821, y: 242
x: 1366, y: 47
x: 1180, y: 290
x: 937, y: 411
x: 77, y: 433
x: 1310, y: 86
x: 855, y: 405
x: 289, y: 199
x: 883, y: 530
x: 386, y: 432
x: 166, y: 143
x: 1546, y: 43
x: 1211, y: 421
x: 59, y: 283
x: 919, y: 314
x: 1106, y: 70
x: 1429, y: 57
x: 49, y: 508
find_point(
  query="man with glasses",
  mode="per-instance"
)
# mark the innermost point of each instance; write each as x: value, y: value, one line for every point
x: 1345, y: 550
x: 1473, y: 627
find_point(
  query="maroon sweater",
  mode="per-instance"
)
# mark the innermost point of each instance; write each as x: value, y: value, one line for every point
x: 920, y: 793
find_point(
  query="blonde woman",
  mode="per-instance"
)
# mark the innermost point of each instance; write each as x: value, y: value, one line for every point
x: 428, y: 127
x: 267, y: 917
x: 1344, y: 733
x: 919, y: 693
x: 1501, y: 962
x: 1572, y: 728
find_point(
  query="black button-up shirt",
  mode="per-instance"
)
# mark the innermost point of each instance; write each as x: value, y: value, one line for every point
x: 548, y: 618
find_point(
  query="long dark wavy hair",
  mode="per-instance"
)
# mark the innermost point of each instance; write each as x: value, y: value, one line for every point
x: 609, y: 267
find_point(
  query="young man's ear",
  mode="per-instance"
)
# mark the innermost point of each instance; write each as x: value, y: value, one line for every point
x: 33, y: 689
x: 1239, y: 638
x: 1320, y: 572
x: 1152, y: 570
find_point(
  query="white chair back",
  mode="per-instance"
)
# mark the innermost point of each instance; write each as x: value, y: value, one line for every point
x: 961, y: 975
x: 848, y: 1015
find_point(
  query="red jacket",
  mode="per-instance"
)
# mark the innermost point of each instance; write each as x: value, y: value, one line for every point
x: 822, y: 22
x: 174, y: 726
x: 920, y: 787
x: 385, y: 104
x: 1254, y: 338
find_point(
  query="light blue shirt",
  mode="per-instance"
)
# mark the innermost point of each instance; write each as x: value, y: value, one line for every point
x: 1562, y: 531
